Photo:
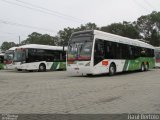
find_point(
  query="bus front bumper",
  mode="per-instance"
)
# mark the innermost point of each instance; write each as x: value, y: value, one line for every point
x: 78, y: 71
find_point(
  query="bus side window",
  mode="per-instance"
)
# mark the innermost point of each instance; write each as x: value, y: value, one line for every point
x: 125, y: 51
x: 118, y: 51
x: 99, y: 53
x: 64, y: 56
x: 1, y: 59
x: 108, y: 49
x: 143, y: 52
x: 150, y: 52
x: 130, y: 52
x: 113, y: 50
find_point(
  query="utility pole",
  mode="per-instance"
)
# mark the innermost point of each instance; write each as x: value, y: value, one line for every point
x: 19, y: 40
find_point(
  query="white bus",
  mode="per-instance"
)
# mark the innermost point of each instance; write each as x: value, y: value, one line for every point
x: 40, y: 57
x: 95, y: 52
x: 157, y: 56
x: 8, y: 58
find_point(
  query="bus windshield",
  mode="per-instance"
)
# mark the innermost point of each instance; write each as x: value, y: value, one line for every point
x: 9, y: 55
x: 19, y: 56
x: 80, y: 48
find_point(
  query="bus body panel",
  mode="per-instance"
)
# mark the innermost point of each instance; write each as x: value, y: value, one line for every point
x: 100, y: 68
x: 121, y: 65
x: 10, y: 66
x: 57, y: 66
x: 157, y: 64
x: 79, y: 68
x: 35, y: 65
x: 28, y: 66
x: 104, y: 68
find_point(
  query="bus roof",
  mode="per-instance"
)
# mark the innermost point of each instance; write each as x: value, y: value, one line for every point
x: 12, y: 48
x: 157, y: 48
x: 115, y: 38
x: 124, y: 40
x: 38, y: 46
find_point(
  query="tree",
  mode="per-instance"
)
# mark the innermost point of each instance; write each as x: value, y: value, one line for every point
x: 125, y: 29
x: 155, y: 38
x: 37, y: 38
x: 33, y: 38
x: 6, y: 45
x: 64, y: 36
x: 149, y: 26
x: 88, y: 26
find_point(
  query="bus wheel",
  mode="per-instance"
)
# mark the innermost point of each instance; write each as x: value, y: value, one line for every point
x: 142, y: 67
x: 147, y: 67
x: 19, y: 69
x: 42, y: 68
x: 112, y: 69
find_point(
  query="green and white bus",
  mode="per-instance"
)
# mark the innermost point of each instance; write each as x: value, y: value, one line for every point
x: 34, y: 57
x: 95, y: 52
x: 1, y: 61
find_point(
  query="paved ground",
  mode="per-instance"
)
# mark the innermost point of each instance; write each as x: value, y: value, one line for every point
x: 57, y: 92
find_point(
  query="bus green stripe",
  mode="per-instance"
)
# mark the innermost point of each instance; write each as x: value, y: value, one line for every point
x: 136, y: 64
x: 125, y: 65
x: 58, y: 65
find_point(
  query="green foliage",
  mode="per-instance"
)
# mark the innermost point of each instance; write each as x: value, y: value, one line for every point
x: 125, y: 29
x: 64, y: 35
x: 37, y: 38
x: 149, y: 27
x: 155, y: 38
x: 146, y: 27
x: 88, y: 26
x: 6, y: 45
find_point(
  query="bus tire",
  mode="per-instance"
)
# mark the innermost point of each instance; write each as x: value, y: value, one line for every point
x: 112, y: 69
x: 142, y: 67
x: 19, y: 69
x: 42, y: 67
x: 89, y: 75
x: 147, y: 67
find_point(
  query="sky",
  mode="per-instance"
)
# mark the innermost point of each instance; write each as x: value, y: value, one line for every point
x: 22, y: 17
